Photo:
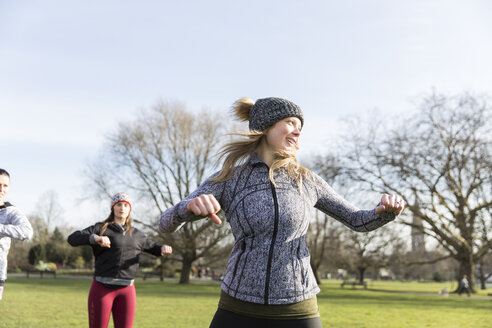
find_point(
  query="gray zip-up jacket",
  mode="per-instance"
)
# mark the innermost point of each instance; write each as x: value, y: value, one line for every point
x: 13, y: 224
x: 270, y: 261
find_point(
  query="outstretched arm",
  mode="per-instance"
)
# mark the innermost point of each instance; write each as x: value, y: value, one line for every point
x: 356, y: 219
x: 151, y: 247
x: 18, y: 226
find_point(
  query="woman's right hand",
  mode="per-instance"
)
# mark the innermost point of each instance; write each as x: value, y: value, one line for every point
x: 103, y: 241
x: 205, y: 205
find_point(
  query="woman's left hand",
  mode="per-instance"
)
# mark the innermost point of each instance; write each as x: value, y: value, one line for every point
x: 166, y: 250
x: 390, y: 203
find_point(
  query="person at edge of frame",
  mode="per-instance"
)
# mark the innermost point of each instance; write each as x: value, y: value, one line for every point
x: 13, y: 224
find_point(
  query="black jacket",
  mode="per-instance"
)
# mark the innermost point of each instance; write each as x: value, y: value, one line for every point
x: 122, y: 258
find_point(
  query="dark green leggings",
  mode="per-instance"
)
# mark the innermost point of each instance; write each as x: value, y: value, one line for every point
x: 227, y: 319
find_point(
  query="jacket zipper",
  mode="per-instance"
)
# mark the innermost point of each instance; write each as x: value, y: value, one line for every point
x: 272, y: 244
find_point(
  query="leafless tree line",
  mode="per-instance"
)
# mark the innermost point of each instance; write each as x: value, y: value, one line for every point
x: 438, y: 159
x: 163, y: 156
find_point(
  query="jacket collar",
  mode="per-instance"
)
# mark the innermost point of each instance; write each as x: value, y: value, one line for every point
x: 255, y: 160
x: 5, y: 205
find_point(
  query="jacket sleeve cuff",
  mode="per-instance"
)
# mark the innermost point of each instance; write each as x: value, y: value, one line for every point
x: 92, y: 239
x: 184, y: 215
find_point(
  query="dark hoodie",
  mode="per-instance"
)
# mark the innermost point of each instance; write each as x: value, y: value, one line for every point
x: 122, y: 258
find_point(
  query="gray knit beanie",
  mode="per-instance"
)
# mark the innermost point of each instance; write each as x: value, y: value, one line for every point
x: 267, y: 111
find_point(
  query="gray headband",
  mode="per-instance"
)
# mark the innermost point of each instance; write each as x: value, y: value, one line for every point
x: 268, y: 111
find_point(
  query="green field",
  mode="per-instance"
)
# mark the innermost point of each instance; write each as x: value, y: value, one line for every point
x: 62, y: 303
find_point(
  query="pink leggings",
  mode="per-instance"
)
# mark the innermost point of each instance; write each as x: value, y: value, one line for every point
x: 104, y: 300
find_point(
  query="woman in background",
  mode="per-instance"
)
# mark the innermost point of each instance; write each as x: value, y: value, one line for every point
x: 116, y: 246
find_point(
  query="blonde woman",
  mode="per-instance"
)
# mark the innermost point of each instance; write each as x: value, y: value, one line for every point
x: 266, y: 197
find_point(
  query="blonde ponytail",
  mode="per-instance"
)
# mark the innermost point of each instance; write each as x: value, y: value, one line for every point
x: 242, y: 107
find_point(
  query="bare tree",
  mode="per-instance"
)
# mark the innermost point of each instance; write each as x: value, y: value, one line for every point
x: 485, y: 270
x: 163, y: 155
x: 362, y: 251
x: 440, y: 161
x: 18, y: 257
x: 331, y: 242
x: 49, y: 213
x: 324, y: 237
x: 324, y: 242
x: 49, y: 209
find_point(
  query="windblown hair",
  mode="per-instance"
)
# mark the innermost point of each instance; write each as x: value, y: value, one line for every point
x: 237, y: 152
x: 288, y: 161
x: 110, y: 220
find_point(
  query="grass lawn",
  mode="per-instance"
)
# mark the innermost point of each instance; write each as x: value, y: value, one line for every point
x: 62, y: 303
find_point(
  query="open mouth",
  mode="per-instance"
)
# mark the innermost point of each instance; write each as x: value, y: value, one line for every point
x: 291, y: 142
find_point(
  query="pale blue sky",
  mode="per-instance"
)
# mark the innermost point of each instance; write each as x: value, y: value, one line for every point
x: 69, y: 70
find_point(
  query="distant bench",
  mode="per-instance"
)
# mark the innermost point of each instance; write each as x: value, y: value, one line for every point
x: 159, y: 273
x: 353, y: 284
x: 41, y: 273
